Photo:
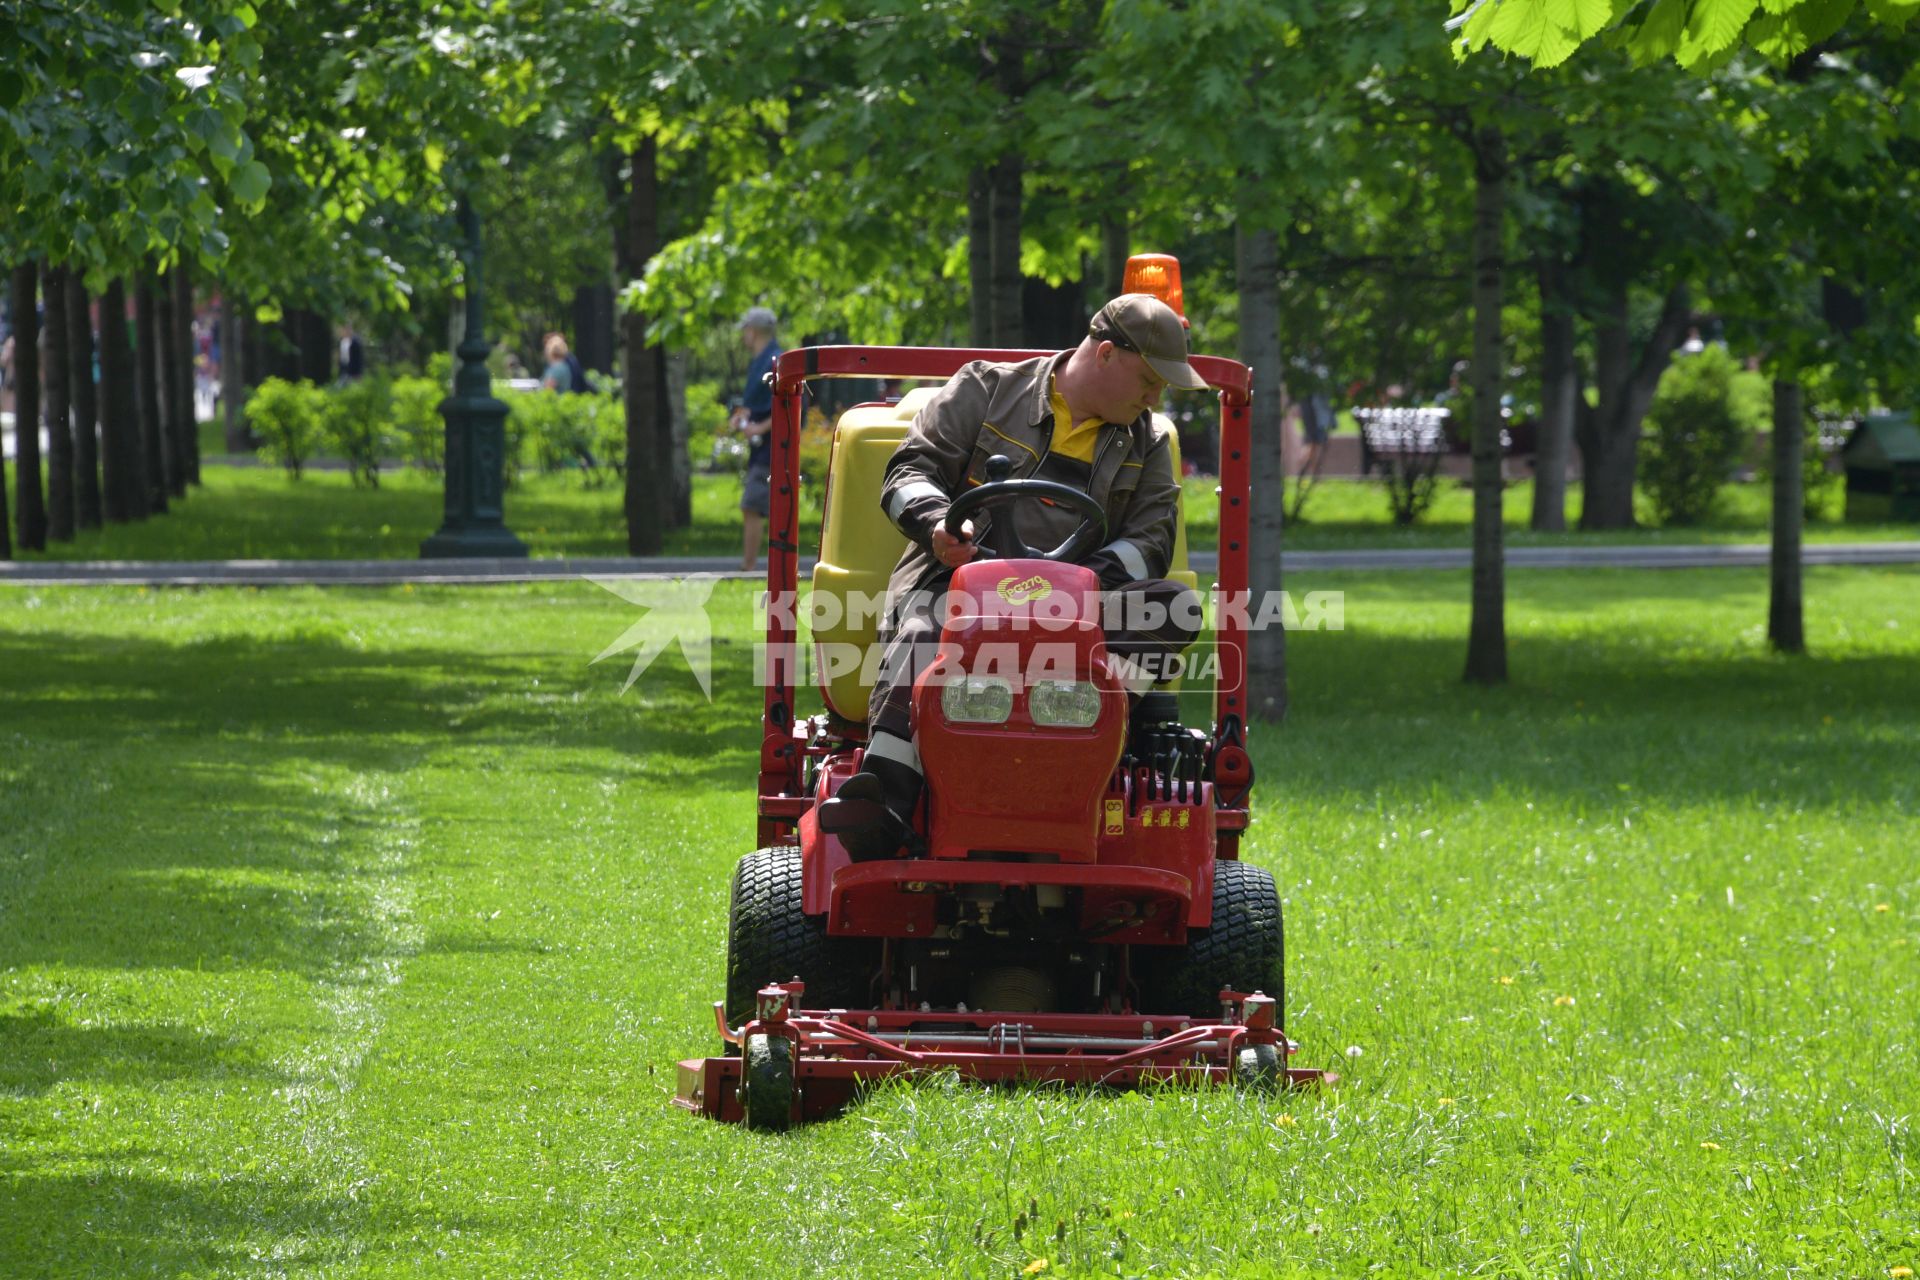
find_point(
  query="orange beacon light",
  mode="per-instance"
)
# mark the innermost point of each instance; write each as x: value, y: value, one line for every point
x: 1157, y: 274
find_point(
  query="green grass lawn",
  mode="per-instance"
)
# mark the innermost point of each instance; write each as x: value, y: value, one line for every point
x: 257, y: 513
x: 355, y: 933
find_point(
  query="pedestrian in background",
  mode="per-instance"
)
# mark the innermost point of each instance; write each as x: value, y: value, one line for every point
x: 754, y: 419
x: 559, y: 373
x: 353, y: 356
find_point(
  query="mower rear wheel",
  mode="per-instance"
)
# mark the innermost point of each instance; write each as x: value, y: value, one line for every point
x: 1244, y: 950
x: 770, y: 939
x: 766, y: 1087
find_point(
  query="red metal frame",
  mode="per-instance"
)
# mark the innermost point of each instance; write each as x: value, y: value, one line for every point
x: 783, y: 743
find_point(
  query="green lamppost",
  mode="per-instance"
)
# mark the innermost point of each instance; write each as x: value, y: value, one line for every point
x: 475, y: 522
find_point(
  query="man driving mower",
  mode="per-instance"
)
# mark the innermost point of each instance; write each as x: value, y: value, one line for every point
x: 1082, y: 419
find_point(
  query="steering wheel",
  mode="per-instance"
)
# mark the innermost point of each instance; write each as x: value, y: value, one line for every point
x: 998, y: 491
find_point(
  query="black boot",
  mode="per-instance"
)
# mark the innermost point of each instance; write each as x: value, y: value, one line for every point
x: 872, y: 813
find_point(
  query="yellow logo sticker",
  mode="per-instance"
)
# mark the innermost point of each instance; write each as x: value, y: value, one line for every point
x: 1116, y: 817
x: 1024, y: 590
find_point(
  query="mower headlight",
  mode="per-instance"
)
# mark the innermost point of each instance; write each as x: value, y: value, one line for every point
x: 977, y: 700
x: 1064, y: 704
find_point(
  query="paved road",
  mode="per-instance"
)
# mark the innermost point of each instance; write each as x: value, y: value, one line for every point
x: 195, y: 573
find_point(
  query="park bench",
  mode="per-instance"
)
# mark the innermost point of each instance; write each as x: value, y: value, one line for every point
x: 1407, y: 445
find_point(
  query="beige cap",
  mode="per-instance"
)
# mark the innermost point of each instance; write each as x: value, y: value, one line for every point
x: 1141, y: 323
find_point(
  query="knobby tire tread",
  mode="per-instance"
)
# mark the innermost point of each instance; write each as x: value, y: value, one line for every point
x: 770, y: 939
x: 1244, y: 949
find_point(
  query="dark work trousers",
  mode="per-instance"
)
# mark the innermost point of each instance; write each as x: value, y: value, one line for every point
x: 1147, y: 622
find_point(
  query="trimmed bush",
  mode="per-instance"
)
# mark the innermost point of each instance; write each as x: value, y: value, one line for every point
x: 355, y: 422
x: 583, y: 432
x: 417, y: 425
x: 287, y: 417
x: 1695, y: 437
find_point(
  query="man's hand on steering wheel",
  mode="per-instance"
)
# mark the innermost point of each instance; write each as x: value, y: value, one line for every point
x: 953, y: 551
x: 1002, y: 490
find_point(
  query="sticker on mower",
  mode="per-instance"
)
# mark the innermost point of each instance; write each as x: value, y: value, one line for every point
x: 1024, y: 590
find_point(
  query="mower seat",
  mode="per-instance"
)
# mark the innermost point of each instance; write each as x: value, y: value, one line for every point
x: 859, y: 548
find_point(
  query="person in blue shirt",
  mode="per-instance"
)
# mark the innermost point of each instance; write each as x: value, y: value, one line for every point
x: 754, y: 419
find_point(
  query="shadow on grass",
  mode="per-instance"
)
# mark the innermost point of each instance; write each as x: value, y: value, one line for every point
x: 199, y: 782
x: 316, y: 698
x: 39, y: 1049
x: 116, y: 1222
x: 1584, y: 719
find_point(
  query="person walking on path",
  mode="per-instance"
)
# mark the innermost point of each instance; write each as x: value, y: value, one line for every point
x: 754, y: 418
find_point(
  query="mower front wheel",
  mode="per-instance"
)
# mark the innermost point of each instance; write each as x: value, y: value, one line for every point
x: 766, y: 1087
x: 1260, y: 1066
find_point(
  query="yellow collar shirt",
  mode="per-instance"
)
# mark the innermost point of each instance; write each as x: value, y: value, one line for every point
x: 1071, y: 439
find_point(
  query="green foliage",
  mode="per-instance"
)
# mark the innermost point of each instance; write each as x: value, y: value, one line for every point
x: 415, y: 421
x: 1698, y: 34
x: 566, y: 432
x: 356, y: 422
x: 124, y: 129
x: 288, y: 417
x: 1696, y: 436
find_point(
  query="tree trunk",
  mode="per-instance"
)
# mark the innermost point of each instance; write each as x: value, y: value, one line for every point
x: 254, y: 367
x: 188, y: 417
x: 647, y: 490
x: 593, y: 326
x: 1487, y: 631
x: 123, y: 455
x: 1005, y: 294
x: 29, y: 506
x: 166, y: 349
x: 1115, y: 241
x: 1785, y: 618
x: 86, y: 405
x: 153, y: 421
x: 1609, y: 436
x: 233, y: 372
x: 60, y: 514
x: 676, y: 374
x: 1559, y: 388
x: 980, y: 256
x: 315, y: 353
x: 1257, y: 272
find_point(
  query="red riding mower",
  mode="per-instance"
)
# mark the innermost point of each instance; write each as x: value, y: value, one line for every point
x: 1075, y: 909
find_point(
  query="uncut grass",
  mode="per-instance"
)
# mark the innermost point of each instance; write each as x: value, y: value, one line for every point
x: 355, y: 933
x: 257, y: 513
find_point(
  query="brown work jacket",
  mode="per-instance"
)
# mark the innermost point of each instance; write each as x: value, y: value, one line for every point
x: 986, y: 409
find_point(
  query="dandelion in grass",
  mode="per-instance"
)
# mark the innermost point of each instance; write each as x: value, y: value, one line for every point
x: 1353, y: 1051
x: 1883, y: 906
x: 1313, y: 1228
x: 1564, y: 1002
x: 1505, y: 979
x: 1446, y: 1102
x: 1900, y: 1273
x: 1034, y: 1268
x: 1709, y: 1146
x: 1283, y: 1121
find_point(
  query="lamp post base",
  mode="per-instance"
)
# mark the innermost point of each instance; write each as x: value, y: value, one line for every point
x: 496, y: 544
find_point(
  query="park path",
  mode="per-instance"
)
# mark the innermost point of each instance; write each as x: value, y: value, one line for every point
x: 281, y: 573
